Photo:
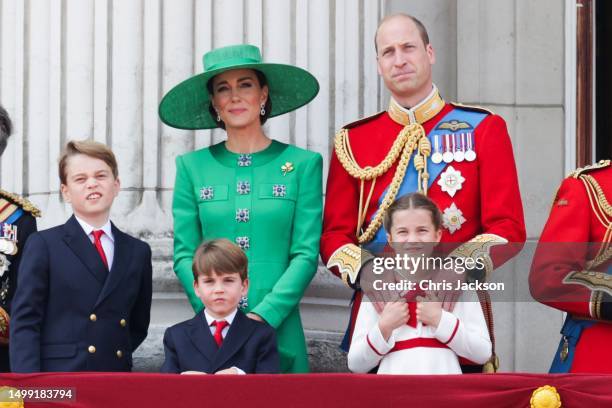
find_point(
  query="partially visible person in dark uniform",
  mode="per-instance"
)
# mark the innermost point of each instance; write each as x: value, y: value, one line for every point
x: 17, y: 222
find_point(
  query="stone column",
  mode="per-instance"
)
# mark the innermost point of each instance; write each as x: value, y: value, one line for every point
x: 72, y: 69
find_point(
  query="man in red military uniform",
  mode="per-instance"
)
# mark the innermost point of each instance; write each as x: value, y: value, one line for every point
x: 572, y: 266
x: 460, y: 156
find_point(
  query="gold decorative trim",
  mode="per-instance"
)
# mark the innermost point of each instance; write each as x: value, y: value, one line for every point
x: 603, y: 257
x: 8, y: 211
x: 601, y: 199
x: 480, y: 247
x: 410, y: 138
x: 590, y: 279
x: 492, y: 365
x: 22, y: 202
x: 545, y: 397
x: 599, y: 165
x: 595, y: 304
x: 4, y: 327
x: 347, y: 259
x: 473, y: 107
x: 421, y: 113
x: 347, y: 159
x: 10, y: 397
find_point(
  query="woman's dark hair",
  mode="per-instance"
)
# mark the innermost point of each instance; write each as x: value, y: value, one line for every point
x: 261, y: 78
x: 413, y: 201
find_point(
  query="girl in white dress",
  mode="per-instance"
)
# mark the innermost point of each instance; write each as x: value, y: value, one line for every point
x: 432, y: 339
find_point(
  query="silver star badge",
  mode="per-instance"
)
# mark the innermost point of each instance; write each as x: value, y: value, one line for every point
x: 451, y: 181
x: 453, y: 218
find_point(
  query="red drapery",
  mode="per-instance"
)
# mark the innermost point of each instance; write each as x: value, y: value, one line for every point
x: 314, y: 390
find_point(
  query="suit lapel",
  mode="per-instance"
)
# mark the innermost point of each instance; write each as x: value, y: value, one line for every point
x: 238, y: 333
x: 82, y: 247
x: 202, y: 339
x: 121, y: 262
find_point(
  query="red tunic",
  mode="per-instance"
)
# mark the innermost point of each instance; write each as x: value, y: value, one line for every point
x: 489, y: 199
x: 562, y: 277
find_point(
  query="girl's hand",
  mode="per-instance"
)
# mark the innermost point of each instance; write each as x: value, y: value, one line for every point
x: 394, y: 315
x: 429, y: 310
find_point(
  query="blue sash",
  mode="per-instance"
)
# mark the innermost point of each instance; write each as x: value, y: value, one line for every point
x: 410, y: 182
x: 571, y: 331
x: 14, y: 216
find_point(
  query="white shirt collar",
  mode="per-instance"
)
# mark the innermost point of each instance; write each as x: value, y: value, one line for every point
x: 108, y: 231
x: 229, y: 318
x: 434, y: 90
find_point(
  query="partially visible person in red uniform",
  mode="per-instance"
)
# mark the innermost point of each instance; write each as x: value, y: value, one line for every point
x: 572, y: 266
x: 461, y: 157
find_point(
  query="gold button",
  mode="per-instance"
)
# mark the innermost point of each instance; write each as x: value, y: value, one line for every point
x: 91, y: 349
x: 119, y: 353
x: 122, y: 322
x: 93, y: 317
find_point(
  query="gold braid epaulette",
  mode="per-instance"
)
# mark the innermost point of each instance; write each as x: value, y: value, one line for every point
x: 581, y: 170
x: 595, y: 189
x: 22, y: 202
x: 409, y: 138
x: 345, y: 156
x: 473, y: 108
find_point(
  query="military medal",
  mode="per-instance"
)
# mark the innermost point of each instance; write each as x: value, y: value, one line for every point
x: 7, y: 247
x: 564, y: 349
x: 8, y: 239
x: 4, y: 264
x: 453, y: 218
x: 459, y: 153
x: 451, y: 181
x: 437, y: 156
x: 470, y: 155
x: 448, y: 155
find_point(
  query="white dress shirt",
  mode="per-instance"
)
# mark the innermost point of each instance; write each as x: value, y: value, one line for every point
x: 107, y: 239
x: 229, y: 319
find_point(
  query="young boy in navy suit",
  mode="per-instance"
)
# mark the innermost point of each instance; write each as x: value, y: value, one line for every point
x: 221, y: 339
x: 83, y: 296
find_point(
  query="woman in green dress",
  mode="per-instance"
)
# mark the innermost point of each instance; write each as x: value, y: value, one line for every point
x: 262, y: 194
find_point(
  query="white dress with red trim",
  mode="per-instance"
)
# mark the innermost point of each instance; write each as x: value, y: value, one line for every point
x: 421, y: 349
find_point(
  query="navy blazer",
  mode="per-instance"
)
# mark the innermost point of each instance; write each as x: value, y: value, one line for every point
x: 69, y: 313
x: 249, y: 345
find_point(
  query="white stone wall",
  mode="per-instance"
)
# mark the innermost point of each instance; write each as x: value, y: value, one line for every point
x: 71, y: 69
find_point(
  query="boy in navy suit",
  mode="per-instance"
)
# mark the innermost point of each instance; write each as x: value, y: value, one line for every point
x: 83, y: 295
x: 221, y: 339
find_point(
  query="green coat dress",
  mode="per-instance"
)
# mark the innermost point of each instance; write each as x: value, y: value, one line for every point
x: 270, y: 204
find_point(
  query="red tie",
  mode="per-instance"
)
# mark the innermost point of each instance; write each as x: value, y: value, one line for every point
x: 97, y: 234
x: 220, y: 325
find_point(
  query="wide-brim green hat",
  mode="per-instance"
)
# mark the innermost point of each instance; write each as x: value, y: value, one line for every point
x: 186, y: 105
